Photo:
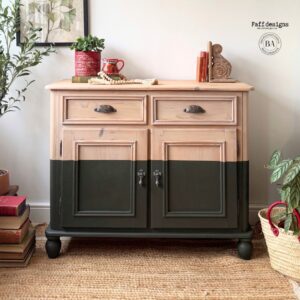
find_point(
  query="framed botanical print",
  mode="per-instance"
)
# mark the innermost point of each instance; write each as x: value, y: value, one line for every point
x: 61, y: 21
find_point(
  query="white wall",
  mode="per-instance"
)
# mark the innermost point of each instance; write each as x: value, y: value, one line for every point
x: 161, y: 38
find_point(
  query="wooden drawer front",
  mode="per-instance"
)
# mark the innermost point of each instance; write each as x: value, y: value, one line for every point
x: 124, y: 110
x: 212, y: 110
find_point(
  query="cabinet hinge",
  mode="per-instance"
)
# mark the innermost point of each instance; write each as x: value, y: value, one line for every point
x: 60, y: 148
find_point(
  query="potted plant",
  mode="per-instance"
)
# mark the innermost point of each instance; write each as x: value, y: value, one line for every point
x: 4, y: 182
x: 281, y: 221
x: 15, y: 65
x: 88, y: 55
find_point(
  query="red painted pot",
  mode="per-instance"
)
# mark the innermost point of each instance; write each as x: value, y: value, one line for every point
x: 4, y: 182
x: 87, y: 63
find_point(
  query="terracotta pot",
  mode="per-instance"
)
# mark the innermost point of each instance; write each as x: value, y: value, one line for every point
x: 87, y: 63
x: 4, y: 182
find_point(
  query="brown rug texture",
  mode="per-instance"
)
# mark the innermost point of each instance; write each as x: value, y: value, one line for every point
x: 146, y: 269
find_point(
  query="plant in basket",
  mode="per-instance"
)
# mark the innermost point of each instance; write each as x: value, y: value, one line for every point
x: 281, y: 221
x: 88, y: 55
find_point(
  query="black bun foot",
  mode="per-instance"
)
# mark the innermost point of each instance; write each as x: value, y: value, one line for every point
x: 245, y: 249
x: 53, y: 246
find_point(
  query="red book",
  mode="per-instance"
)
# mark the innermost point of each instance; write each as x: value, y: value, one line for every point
x: 12, y: 205
x: 9, y: 236
x: 203, y: 66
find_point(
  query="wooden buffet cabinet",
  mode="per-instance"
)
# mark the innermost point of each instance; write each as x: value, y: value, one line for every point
x: 162, y: 161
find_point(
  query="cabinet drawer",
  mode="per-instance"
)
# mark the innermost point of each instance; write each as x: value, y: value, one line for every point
x: 105, y: 110
x: 195, y: 110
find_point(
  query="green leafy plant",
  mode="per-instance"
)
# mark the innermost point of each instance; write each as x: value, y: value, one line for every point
x: 287, y: 172
x: 18, y: 65
x: 88, y: 43
x: 56, y: 15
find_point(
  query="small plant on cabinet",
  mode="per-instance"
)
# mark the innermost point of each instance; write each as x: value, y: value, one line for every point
x: 88, y: 55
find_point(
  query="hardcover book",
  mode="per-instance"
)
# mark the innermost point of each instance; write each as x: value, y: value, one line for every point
x: 202, y: 67
x: 18, y: 251
x: 15, y: 222
x: 82, y: 79
x: 14, y: 236
x: 12, y: 205
x: 18, y: 263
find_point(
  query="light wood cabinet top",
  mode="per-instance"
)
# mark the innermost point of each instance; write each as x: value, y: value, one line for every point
x: 163, y: 85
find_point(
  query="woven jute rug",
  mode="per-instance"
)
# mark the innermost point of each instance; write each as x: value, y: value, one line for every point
x: 146, y: 269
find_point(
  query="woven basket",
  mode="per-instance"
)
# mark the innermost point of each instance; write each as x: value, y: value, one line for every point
x: 284, y: 249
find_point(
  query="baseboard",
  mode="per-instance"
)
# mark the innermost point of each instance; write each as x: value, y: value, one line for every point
x: 40, y: 213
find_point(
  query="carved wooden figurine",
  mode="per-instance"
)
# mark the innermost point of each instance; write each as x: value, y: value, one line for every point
x: 219, y: 67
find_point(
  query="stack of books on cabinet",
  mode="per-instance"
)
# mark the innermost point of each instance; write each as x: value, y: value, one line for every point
x: 17, y: 236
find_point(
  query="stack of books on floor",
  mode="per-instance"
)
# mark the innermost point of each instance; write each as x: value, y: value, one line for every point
x: 17, y: 236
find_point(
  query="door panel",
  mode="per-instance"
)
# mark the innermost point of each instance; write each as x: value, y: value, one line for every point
x: 100, y: 178
x: 197, y: 183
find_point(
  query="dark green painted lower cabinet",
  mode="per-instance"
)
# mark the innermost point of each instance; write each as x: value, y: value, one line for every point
x: 175, y: 199
x: 194, y: 194
x: 103, y: 194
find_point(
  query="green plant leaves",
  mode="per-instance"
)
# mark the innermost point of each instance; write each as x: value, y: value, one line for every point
x: 88, y: 43
x: 280, y: 169
x: 293, y: 171
x: 17, y: 65
x: 274, y: 159
x: 289, y: 171
x: 285, y: 193
x: 288, y: 222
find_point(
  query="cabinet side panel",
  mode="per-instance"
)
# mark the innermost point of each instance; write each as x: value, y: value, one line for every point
x: 243, y: 195
x: 55, y: 192
x: 244, y: 142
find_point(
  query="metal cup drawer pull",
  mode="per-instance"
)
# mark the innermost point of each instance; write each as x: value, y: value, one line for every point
x: 106, y: 109
x: 194, y: 109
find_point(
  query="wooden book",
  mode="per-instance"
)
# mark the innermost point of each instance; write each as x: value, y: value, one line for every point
x: 82, y: 79
x: 18, y: 263
x: 7, y: 222
x: 18, y: 251
x: 14, y: 236
x: 12, y: 205
x: 203, y: 66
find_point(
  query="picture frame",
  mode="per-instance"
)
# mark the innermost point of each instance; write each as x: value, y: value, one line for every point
x: 62, y: 21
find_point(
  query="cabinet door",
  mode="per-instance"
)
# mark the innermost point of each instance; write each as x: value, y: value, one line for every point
x: 194, y: 178
x: 104, y: 184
